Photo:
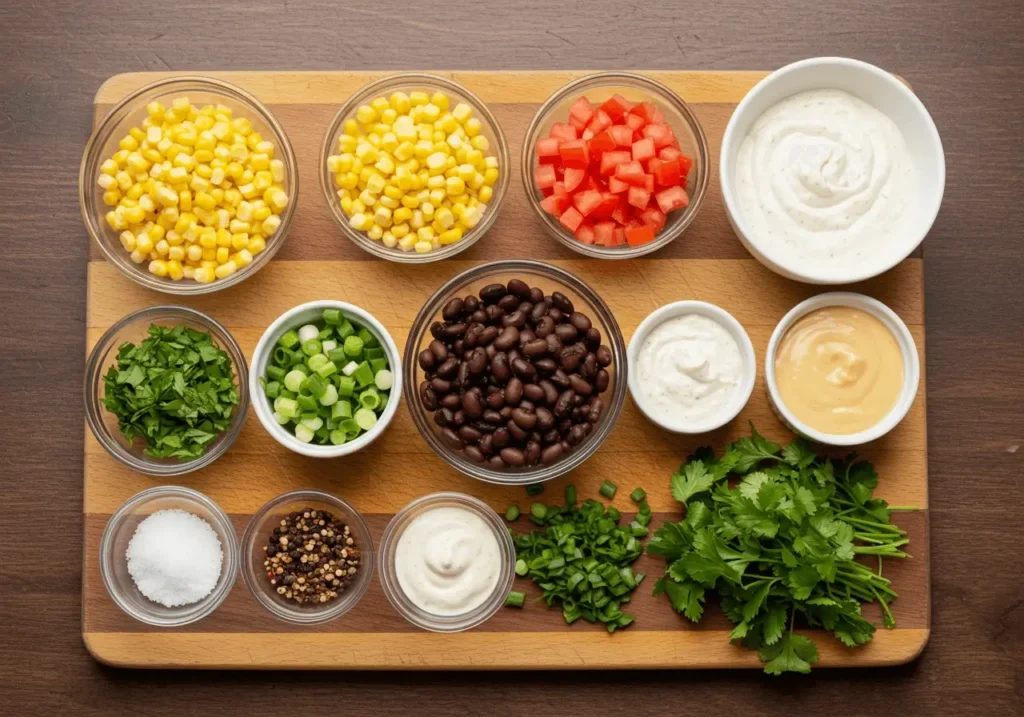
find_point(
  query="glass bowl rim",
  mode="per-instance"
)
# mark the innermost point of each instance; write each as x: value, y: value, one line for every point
x: 614, y: 340
x: 229, y: 566
x: 348, y: 108
x: 94, y: 376
x: 446, y: 623
x: 645, y: 84
x: 91, y: 160
x: 332, y: 610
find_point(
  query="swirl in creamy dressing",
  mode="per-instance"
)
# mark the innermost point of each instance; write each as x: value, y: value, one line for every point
x: 824, y: 181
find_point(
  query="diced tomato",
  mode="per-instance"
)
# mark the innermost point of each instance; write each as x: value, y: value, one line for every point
x: 588, y: 201
x: 652, y: 216
x: 582, y: 110
x: 571, y: 219
x: 544, y: 176
x: 604, y: 233
x: 616, y: 106
x: 667, y: 174
x: 657, y: 117
x: 556, y: 204
x: 622, y: 135
x: 643, y: 150
x: 649, y: 182
x: 639, y: 234
x: 661, y: 134
x: 644, y: 110
x: 668, y: 153
x: 609, y: 202
x: 585, y: 233
x: 638, y: 197
x: 672, y: 198
x: 685, y: 164
x: 574, y: 178
x: 586, y: 134
x: 577, y: 125
x: 601, y: 121
x: 574, y: 154
x: 618, y: 236
x: 621, y: 213
x: 634, y: 122
x: 547, y: 149
x: 631, y: 173
x: 616, y: 185
x: 602, y: 141
x: 560, y: 189
x: 562, y: 131
x: 611, y: 160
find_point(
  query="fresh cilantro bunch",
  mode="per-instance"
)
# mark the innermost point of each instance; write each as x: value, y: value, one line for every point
x: 581, y: 558
x: 782, y: 541
x: 175, y: 390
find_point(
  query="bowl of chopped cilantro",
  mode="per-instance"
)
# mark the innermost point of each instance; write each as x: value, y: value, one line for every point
x: 166, y: 390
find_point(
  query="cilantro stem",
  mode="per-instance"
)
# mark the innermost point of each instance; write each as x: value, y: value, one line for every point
x: 890, y: 621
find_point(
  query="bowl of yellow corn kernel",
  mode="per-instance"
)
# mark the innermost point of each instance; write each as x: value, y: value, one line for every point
x: 188, y: 185
x: 414, y: 168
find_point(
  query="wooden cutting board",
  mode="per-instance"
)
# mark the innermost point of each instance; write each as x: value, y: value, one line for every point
x: 317, y: 262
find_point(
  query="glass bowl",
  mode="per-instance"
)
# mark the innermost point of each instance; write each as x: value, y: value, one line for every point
x: 129, y: 113
x: 114, y: 564
x: 104, y: 424
x: 408, y: 82
x: 549, y: 279
x: 389, y: 577
x: 255, y: 539
x: 636, y: 88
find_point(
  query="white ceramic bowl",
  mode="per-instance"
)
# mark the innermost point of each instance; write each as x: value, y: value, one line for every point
x: 884, y: 92
x: 726, y: 321
x: 911, y: 367
x: 292, y: 319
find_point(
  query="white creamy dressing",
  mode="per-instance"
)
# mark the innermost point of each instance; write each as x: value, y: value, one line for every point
x: 447, y: 561
x: 689, y: 368
x: 825, y: 181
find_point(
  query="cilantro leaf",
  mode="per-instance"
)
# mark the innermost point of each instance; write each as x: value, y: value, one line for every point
x: 752, y: 451
x: 798, y: 453
x: 693, y: 478
x: 793, y: 653
x: 686, y: 597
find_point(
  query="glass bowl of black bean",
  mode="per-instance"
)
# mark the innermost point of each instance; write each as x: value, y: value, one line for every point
x: 515, y: 372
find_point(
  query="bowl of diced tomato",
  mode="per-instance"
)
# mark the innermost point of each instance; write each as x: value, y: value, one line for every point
x: 615, y: 165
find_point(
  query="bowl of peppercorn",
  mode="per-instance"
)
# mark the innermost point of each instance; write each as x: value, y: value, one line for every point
x: 515, y: 372
x: 307, y: 557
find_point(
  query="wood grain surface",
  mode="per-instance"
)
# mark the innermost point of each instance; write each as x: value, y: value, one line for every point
x: 964, y: 59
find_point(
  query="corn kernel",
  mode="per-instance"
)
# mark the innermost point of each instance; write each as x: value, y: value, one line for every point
x: 175, y: 270
x: 451, y: 236
x: 407, y: 242
x: 204, y: 275
x: 375, y: 232
x: 242, y: 258
x: 256, y: 244
x: 389, y: 240
x: 389, y: 202
x: 485, y: 194
x: 158, y: 267
x: 366, y: 114
x: 470, y: 217
x: 418, y: 98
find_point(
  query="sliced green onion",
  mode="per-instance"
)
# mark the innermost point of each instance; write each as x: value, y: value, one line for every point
x: 638, y: 495
x: 314, y: 385
x: 639, y: 531
x: 289, y: 339
x: 303, y: 433
x: 338, y: 437
x: 570, y: 495
x: 316, y: 361
x: 367, y: 338
x: 272, y: 389
x: 383, y: 400
x: 293, y: 380
x: 369, y: 399
x: 373, y: 353
x: 365, y: 419
x: 353, y: 347
x: 376, y: 364
x: 512, y: 513
x: 330, y: 396
x: 349, y: 425
x: 521, y: 567
x: 314, y: 423
x: 311, y: 347
x: 608, y: 489
x: 363, y: 375
x: 281, y: 357
x: 327, y: 369
x: 350, y: 368
x: 286, y: 406
x: 325, y: 333
x: 346, y: 386
x: 276, y: 373
x: 341, y: 409
x: 307, y: 403
x: 345, y: 329
x: 337, y: 355
x: 282, y: 419
x: 534, y: 489
x: 538, y: 511
x: 383, y: 379
x: 332, y: 316
x: 515, y: 599
x: 298, y: 358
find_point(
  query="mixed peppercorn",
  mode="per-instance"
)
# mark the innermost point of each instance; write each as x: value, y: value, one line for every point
x: 311, y: 557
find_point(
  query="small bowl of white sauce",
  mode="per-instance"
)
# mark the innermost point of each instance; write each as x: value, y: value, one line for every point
x: 447, y: 562
x: 691, y: 367
x: 832, y: 171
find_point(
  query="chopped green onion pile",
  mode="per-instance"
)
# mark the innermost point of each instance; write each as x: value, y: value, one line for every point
x: 581, y: 558
x: 175, y: 390
x: 328, y: 381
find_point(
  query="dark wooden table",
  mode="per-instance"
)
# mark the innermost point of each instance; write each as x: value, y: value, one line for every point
x: 963, y: 57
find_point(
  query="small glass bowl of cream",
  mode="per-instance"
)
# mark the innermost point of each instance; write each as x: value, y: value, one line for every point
x: 691, y: 367
x: 842, y: 369
x: 447, y: 562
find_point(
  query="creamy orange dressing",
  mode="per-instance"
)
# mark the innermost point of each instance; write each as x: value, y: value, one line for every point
x: 839, y: 370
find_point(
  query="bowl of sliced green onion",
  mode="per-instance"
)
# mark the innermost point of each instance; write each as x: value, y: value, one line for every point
x: 323, y: 379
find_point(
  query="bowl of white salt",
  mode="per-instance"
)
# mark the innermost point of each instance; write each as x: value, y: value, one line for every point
x: 169, y: 556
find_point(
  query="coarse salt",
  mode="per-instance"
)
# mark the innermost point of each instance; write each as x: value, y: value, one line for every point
x: 174, y: 558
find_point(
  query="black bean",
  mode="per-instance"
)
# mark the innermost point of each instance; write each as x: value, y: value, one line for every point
x: 519, y: 287
x: 492, y: 292
x: 442, y: 417
x: 546, y: 365
x: 513, y: 457
x: 576, y: 435
x: 563, y: 406
x: 472, y: 403
x: 538, y: 312
x: 478, y: 317
x: 453, y: 309
x: 437, y: 330
x: 533, y: 392
x: 537, y: 347
x: 500, y: 368
x: 534, y: 436
x: 555, y: 314
x: 526, y: 307
x: 551, y: 454
x: 561, y: 302
x: 577, y: 400
x: 474, y: 454
x: 492, y: 416
x: 496, y: 463
x: 470, y: 304
x: 602, y: 380
x: 524, y: 419
x: 496, y: 400
x: 458, y: 418
x: 554, y: 344
x: 518, y: 434
x: 552, y: 436
x: 527, y: 404
x: 470, y: 434
x: 580, y: 321
x: 566, y: 446
x: 550, y: 392
x: 532, y: 453
x: 440, y: 386
x: 490, y: 351
x: 507, y: 338
x: 426, y: 360
x: 428, y: 398
x: 560, y: 379
x: 508, y: 303
x: 458, y: 347
x: 570, y: 358
x: 487, y: 444
x: 517, y: 318
x: 439, y: 350
x: 524, y: 369
x: 500, y: 438
x: 472, y: 338
x: 513, y: 392
x: 537, y: 295
x: 545, y: 327
x: 452, y: 438
x: 454, y: 331
x: 451, y: 401
x: 596, y: 408
x: 589, y: 367
x: 566, y: 332
x: 462, y: 378
x: 604, y: 356
x: 545, y: 418
x: 513, y: 354
x: 505, y: 413
x: 526, y: 335
x: 488, y: 335
x: 494, y: 314
x: 478, y: 361
x: 593, y: 339
x: 483, y: 426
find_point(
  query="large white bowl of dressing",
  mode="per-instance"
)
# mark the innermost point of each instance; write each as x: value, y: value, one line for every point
x: 832, y: 171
